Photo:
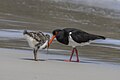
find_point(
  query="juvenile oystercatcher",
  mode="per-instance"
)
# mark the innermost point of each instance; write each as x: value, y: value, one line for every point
x: 36, y: 40
x: 74, y: 37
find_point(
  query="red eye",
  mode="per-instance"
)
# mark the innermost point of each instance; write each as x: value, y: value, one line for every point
x: 56, y: 33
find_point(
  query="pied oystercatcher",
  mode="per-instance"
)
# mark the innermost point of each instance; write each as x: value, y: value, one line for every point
x: 36, y: 40
x: 74, y: 37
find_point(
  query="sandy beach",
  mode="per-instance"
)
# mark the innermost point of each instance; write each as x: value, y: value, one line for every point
x: 99, y: 61
x: 19, y: 65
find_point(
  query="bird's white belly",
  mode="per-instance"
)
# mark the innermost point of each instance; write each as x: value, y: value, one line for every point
x: 31, y: 41
x: 75, y: 44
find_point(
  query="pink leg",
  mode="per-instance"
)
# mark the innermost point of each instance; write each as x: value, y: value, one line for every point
x: 72, y: 54
x: 77, y: 55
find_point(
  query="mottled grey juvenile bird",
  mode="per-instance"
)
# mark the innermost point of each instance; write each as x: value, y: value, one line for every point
x: 36, y: 40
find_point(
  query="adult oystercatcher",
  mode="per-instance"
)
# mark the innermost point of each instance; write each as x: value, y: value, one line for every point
x: 36, y: 40
x: 74, y: 37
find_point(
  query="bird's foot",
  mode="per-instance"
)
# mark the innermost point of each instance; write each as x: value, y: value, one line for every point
x: 36, y: 59
x: 67, y: 60
x: 77, y: 61
x: 71, y: 61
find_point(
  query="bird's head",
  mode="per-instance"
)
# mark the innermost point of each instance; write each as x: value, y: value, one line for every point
x: 55, y: 32
x: 47, y: 36
x: 25, y: 32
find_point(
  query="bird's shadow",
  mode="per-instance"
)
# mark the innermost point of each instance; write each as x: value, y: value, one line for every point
x: 72, y: 61
x: 30, y: 59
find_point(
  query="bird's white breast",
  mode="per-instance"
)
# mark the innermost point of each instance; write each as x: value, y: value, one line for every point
x: 32, y: 42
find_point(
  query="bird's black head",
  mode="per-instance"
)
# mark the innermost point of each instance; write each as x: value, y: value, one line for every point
x: 56, y: 31
x: 25, y: 32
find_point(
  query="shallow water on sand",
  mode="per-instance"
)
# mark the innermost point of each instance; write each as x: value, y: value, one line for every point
x: 47, y: 15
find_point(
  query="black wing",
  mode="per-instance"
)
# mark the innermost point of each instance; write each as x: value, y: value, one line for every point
x: 81, y: 36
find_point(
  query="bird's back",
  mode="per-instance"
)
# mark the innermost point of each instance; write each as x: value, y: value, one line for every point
x: 81, y: 36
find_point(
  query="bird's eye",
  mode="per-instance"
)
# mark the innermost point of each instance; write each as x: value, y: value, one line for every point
x: 56, y: 33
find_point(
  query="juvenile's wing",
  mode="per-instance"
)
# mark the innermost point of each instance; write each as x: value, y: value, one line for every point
x: 38, y: 36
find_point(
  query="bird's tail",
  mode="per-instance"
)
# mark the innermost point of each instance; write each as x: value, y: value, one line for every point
x: 101, y: 37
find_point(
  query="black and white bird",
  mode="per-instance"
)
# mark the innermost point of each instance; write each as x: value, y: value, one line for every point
x: 36, y: 40
x: 74, y: 37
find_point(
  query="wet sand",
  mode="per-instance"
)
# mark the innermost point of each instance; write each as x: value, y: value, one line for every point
x: 97, y: 62
x: 19, y: 65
